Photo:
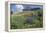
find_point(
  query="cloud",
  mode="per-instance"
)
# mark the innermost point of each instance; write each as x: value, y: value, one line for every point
x: 19, y: 7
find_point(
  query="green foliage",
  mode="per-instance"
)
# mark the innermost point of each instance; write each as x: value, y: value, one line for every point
x: 18, y: 22
x: 38, y: 20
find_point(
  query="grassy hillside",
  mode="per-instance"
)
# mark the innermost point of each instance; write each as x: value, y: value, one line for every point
x: 20, y: 22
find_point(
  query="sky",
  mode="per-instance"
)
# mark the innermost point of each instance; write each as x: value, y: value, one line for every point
x: 14, y: 7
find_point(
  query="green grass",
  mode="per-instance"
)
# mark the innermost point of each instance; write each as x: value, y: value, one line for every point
x: 17, y: 22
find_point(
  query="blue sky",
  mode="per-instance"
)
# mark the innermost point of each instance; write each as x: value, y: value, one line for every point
x: 14, y: 7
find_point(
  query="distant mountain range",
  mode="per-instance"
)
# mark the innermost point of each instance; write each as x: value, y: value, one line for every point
x: 31, y: 9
